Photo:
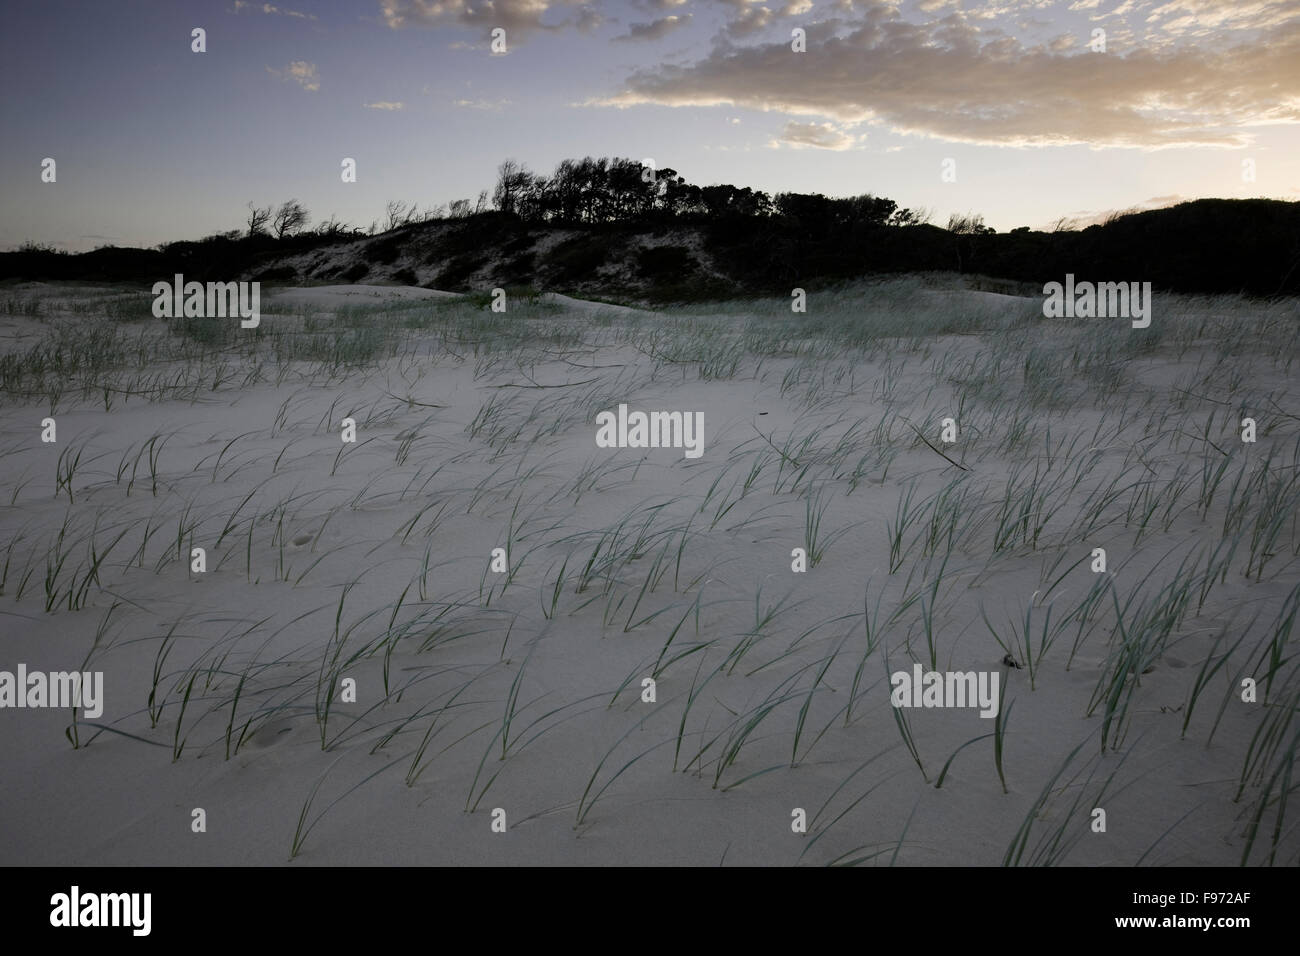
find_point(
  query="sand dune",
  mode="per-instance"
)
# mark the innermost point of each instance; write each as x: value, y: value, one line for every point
x: 329, y: 562
x: 333, y: 295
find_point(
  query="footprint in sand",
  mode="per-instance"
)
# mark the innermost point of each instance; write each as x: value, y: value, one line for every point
x: 270, y: 735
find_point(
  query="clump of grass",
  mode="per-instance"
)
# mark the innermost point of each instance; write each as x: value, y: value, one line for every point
x: 815, y: 541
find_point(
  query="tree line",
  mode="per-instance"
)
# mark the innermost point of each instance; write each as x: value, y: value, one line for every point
x: 602, y: 190
x: 593, y: 191
x: 291, y: 219
x: 755, y: 238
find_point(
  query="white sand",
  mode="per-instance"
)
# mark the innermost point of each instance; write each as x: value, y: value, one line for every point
x: 328, y: 531
x: 326, y: 296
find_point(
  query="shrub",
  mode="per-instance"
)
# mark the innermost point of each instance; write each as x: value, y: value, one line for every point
x: 278, y: 274
x: 455, y: 276
x: 665, y: 261
x: 579, y: 257
x: 519, y: 269
x: 384, y: 251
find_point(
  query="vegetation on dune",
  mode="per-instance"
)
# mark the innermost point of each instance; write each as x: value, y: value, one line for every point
x: 769, y: 682
x: 611, y: 215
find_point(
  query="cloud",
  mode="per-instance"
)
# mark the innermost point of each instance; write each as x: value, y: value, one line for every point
x: 952, y: 80
x: 655, y: 30
x: 1199, y: 17
x: 812, y: 136
x: 384, y: 105
x: 519, y: 18
x: 749, y: 20
x: 301, y: 72
x: 588, y: 19
x: 271, y: 8
x: 490, y: 105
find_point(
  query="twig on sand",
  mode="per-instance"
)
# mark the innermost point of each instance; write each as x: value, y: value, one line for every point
x: 586, y: 381
x: 933, y: 449
x: 411, y: 401
x: 783, y: 455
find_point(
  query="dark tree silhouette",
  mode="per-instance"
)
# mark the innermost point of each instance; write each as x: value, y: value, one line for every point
x: 512, y: 179
x: 289, y: 218
x: 258, y: 217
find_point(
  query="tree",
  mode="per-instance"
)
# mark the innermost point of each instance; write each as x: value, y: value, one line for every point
x: 865, y: 211
x: 812, y: 213
x: 332, y: 228
x: 258, y: 217
x: 564, y: 192
x: 910, y: 217
x: 969, y: 225
x: 964, y: 230
x: 672, y: 190
x: 592, y: 179
x: 512, y: 179
x: 630, y: 194
x: 529, y: 194
x: 289, y: 218
x: 398, y: 213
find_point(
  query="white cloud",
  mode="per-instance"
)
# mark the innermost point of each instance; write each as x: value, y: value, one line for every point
x: 519, y: 18
x: 1207, y: 15
x: 271, y: 8
x: 812, y: 136
x: 749, y: 20
x: 654, y: 30
x: 301, y: 72
x: 953, y: 80
x: 490, y: 105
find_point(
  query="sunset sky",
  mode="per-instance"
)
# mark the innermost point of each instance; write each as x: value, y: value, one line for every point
x: 154, y: 142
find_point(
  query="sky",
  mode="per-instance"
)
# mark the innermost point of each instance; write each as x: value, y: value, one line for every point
x: 1016, y: 110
